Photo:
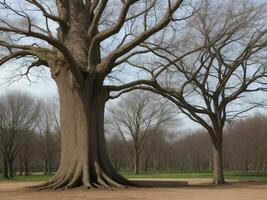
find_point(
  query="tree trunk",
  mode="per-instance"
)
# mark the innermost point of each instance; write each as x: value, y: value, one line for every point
x: 45, y: 167
x: 146, y: 162
x: 136, y: 164
x: 5, y: 168
x: 210, y: 163
x: 20, y: 167
x: 246, y: 167
x: 84, y: 160
x: 50, y: 167
x: 115, y: 165
x: 10, y: 168
x: 218, y: 177
x: 26, y: 167
x: 158, y: 162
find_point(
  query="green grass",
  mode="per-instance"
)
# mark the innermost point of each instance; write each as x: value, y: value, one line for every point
x: 175, y: 175
x: 30, y: 178
x: 168, y: 175
x: 204, y: 174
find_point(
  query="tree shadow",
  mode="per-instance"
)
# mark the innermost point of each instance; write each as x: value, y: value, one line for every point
x: 230, y: 184
x: 159, y: 183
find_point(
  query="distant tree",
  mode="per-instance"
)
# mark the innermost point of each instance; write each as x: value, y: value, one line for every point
x: 18, y: 113
x: 245, y: 148
x: 197, y: 151
x: 27, y: 151
x: 136, y: 118
x: 48, y: 135
x: 154, y: 152
x: 118, y: 152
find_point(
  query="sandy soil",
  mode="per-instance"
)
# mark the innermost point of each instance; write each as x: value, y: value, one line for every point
x: 198, y: 189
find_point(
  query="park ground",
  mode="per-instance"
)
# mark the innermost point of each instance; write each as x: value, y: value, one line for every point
x: 240, y: 186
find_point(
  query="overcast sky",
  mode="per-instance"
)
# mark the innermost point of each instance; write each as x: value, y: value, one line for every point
x: 44, y: 86
x: 39, y: 86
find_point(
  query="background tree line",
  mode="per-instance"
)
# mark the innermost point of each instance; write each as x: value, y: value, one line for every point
x: 29, y: 134
x: 143, y: 137
x: 244, y: 149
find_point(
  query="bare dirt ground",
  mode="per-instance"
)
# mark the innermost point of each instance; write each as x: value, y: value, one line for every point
x: 198, y: 189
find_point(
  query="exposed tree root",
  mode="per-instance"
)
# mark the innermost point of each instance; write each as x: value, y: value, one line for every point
x: 80, y: 179
x: 84, y: 159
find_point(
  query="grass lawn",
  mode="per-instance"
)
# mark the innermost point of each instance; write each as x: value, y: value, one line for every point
x: 30, y: 178
x: 176, y: 175
x: 204, y: 174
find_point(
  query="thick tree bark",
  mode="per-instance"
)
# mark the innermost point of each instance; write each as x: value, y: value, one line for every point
x: 84, y: 160
x: 218, y: 176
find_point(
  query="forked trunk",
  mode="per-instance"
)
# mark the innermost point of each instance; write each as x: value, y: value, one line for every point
x: 84, y: 160
x: 218, y: 177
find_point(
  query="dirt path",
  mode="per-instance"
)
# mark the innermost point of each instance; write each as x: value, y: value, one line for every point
x: 198, y: 189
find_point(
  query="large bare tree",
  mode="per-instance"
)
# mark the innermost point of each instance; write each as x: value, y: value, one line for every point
x: 220, y: 59
x: 92, y: 39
